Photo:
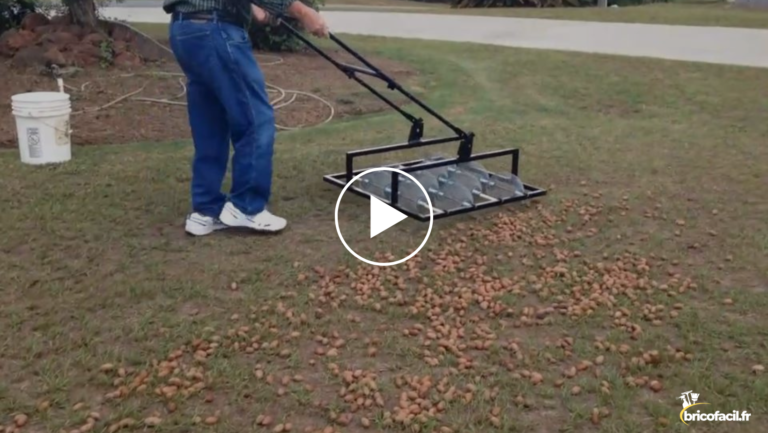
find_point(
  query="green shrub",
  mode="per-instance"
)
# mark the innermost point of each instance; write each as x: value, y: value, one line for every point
x: 278, y: 38
x: 13, y: 11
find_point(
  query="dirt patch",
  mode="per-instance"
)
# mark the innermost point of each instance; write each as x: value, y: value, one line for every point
x: 133, y: 120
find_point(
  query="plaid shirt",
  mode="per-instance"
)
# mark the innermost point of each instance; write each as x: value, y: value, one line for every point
x: 238, y: 8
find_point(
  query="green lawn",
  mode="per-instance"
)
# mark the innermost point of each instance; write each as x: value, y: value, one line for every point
x: 693, y: 14
x: 645, y: 267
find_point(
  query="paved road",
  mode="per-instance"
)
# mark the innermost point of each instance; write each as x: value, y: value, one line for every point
x: 745, y: 47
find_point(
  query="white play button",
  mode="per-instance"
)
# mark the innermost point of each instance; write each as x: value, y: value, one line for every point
x: 383, y: 216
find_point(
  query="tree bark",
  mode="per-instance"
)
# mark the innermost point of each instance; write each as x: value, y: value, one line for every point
x: 82, y: 12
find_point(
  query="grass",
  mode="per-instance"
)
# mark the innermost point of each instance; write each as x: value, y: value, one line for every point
x: 648, y: 258
x: 675, y: 13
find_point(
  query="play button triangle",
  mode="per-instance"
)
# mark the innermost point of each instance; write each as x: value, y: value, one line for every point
x: 383, y: 216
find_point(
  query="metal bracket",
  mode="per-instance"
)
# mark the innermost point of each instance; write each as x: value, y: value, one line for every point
x: 417, y: 131
x: 465, y: 146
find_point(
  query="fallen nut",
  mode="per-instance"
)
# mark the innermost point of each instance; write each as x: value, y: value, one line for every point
x: 20, y: 420
x: 655, y: 386
x: 153, y: 421
x: 536, y: 378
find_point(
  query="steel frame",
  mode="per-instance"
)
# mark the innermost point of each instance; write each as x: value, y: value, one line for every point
x: 415, y: 139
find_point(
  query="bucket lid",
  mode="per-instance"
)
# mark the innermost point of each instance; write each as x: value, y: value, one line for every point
x: 34, y: 97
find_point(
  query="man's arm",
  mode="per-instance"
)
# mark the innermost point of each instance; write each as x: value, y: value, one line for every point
x: 264, y: 11
x: 270, y: 8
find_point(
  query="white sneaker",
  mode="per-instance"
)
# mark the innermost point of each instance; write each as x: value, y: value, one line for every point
x: 201, y: 225
x: 263, y: 221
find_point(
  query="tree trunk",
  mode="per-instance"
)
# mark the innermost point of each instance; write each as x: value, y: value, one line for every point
x: 83, y: 12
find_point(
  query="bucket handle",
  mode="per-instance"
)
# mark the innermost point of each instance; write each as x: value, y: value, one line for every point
x: 54, y: 127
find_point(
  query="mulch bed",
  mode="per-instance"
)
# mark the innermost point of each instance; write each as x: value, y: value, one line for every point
x: 131, y: 121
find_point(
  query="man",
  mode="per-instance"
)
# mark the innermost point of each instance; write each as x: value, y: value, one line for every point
x: 227, y: 101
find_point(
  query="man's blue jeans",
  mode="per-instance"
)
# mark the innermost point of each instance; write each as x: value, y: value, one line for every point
x: 227, y: 101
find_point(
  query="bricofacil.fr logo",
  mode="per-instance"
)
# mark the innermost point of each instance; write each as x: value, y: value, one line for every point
x: 691, y: 399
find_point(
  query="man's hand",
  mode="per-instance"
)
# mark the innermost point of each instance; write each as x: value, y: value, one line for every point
x: 309, y: 18
x: 259, y: 14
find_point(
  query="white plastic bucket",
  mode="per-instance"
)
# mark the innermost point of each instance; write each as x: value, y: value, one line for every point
x: 42, y: 126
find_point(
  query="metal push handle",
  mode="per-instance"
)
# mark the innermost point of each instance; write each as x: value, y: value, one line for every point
x: 417, y: 124
x: 351, y: 71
